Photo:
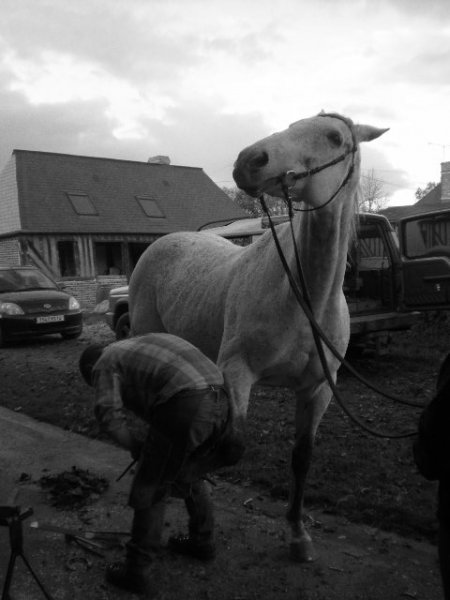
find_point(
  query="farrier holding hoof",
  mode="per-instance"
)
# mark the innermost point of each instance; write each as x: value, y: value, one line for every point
x: 432, y: 456
x: 180, y: 393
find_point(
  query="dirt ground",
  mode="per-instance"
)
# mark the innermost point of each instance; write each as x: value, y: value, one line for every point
x: 362, y: 493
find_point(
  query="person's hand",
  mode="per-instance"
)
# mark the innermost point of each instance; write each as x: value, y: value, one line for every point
x: 136, y: 449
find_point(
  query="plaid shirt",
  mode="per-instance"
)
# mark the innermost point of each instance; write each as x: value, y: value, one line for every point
x: 141, y: 372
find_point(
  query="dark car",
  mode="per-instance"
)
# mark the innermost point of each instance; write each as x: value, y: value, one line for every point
x: 32, y: 304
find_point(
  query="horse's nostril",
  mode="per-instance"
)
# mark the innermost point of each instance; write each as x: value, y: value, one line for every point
x: 259, y: 160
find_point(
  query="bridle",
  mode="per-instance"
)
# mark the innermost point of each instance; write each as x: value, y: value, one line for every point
x: 303, y: 297
x: 288, y: 179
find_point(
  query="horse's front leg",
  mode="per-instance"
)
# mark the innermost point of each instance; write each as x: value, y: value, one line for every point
x: 309, y: 411
x: 238, y: 383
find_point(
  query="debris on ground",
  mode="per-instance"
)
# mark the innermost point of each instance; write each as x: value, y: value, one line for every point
x: 73, y: 489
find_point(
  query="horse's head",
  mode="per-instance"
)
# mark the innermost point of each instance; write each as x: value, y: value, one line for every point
x: 312, y: 157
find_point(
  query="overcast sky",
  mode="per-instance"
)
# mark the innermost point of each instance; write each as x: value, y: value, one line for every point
x: 200, y: 79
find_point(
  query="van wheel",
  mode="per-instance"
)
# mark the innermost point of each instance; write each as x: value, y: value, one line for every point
x: 123, y: 327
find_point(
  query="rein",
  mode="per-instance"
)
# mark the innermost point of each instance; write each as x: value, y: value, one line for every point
x: 304, y: 299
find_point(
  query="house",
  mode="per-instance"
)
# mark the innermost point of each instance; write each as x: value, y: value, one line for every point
x: 86, y: 220
x: 436, y: 199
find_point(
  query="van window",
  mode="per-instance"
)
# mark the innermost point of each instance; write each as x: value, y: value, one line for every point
x: 426, y: 236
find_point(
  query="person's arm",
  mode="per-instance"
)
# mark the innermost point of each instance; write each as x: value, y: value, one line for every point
x: 110, y: 413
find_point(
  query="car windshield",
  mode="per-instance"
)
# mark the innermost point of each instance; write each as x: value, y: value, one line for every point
x: 15, y: 280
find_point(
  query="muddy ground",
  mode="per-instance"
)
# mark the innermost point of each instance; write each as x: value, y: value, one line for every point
x: 361, y: 487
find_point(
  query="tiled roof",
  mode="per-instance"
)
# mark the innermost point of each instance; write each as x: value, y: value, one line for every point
x: 430, y: 202
x: 433, y: 197
x: 395, y: 213
x: 186, y: 195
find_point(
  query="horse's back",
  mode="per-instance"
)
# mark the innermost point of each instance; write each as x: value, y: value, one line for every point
x: 179, y: 285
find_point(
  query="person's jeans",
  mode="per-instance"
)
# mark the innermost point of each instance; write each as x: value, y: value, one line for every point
x: 176, y: 429
x: 148, y: 523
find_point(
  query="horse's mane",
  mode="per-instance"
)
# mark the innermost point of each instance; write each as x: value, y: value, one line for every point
x: 357, y: 201
x: 336, y: 115
x: 354, y: 223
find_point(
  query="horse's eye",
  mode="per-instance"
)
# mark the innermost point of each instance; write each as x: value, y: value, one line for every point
x: 335, y: 138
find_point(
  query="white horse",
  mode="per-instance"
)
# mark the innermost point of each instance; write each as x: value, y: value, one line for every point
x: 235, y: 303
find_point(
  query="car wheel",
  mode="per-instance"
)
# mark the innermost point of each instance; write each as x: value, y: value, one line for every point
x: 123, y: 327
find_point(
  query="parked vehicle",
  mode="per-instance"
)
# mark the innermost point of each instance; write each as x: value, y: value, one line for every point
x: 117, y: 315
x: 32, y: 304
x: 390, y: 278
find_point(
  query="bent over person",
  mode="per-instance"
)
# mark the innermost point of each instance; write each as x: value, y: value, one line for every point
x: 432, y: 457
x: 180, y: 393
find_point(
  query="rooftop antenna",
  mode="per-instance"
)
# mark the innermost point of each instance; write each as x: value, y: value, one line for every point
x: 443, y: 146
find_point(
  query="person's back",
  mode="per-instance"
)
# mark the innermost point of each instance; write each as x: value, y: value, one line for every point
x: 152, y: 368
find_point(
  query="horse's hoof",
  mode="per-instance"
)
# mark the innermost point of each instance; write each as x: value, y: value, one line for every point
x: 302, y: 551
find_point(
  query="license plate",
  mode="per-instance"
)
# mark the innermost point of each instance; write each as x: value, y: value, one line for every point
x: 50, y: 319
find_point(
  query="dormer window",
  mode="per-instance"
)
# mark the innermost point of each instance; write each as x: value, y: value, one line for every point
x: 81, y: 203
x: 150, y: 207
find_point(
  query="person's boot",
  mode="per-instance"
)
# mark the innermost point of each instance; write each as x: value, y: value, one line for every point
x: 131, y: 577
x: 183, y: 544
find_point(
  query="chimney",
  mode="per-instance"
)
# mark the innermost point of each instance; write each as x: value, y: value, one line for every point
x: 165, y: 160
x: 445, y: 182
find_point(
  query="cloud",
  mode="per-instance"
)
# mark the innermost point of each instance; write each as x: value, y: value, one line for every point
x: 201, y: 79
x: 202, y: 136
x: 430, y: 8
x: 195, y: 135
x: 73, y: 128
x: 431, y: 67
x: 111, y: 35
x: 375, y: 163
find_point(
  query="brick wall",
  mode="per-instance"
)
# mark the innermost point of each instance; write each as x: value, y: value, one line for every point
x: 445, y: 182
x: 9, y: 253
x: 90, y: 292
x: 10, y: 220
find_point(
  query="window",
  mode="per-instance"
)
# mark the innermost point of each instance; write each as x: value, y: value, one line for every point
x: 135, y: 250
x: 108, y: 258
x: 15, y: 280
x: 427, y: 236
x: 150, y: 207
x: 82, y: 204
x: 371, y: 248
x: 67, y: 258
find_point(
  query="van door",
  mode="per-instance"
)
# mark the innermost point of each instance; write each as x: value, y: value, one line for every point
x: 425, y: 245
x: 369, y: 284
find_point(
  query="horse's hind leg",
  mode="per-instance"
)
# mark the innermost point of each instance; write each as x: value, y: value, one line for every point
x: 309, y: 411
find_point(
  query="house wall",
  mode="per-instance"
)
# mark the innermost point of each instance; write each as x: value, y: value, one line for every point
x: 9, y: 253
x: 41, y: 251
x: 90, y: 292
x: 45, y: 248
x: 10, y: 219
x: 445, y: 182
x: 89, y: 258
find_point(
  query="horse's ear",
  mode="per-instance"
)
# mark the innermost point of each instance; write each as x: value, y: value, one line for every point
x: 367, y: 133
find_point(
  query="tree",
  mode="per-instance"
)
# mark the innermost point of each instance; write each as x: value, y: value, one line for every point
x: 420, y: 193
x: 252, y: 205
x: 374, y: 196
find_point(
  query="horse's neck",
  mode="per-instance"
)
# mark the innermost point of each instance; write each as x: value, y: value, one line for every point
x: 322, y: 238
